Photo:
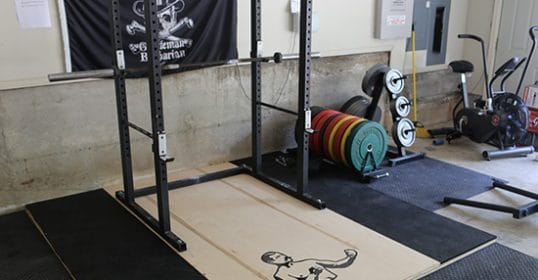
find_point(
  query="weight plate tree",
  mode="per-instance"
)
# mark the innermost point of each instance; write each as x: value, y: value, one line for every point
x: 381, y: 77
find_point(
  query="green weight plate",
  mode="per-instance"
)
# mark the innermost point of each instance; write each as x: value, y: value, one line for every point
x: 370, y: 136
x: 349, y: 143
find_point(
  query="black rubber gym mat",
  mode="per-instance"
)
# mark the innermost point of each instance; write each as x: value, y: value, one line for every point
x: 98, y: 239
x: 433, y: 235
x: 426, y: 182
x: 496, y: 262
x: 24, y: 253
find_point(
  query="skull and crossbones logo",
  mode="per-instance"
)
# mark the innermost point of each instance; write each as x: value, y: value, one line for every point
x: 168, y: 14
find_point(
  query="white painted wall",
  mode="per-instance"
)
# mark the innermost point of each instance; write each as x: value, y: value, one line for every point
x: 346, y: 27
x: 27, y: 55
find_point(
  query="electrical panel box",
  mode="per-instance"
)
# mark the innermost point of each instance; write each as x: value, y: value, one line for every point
x: 394, y: 19
x: 431, y: 18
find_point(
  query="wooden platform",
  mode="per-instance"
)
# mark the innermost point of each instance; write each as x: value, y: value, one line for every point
x: 229, y: 224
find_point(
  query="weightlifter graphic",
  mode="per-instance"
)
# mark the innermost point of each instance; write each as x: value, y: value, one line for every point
x: 307, y: 269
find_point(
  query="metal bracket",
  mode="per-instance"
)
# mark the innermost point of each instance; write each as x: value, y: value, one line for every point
x: 163, y: 150
x: 120, y: 56
x: 260, y: 49
x: 307, y: 120
x: 162, y: 144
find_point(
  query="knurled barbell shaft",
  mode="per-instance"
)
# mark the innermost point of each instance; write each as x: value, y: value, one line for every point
x: 109, y: 73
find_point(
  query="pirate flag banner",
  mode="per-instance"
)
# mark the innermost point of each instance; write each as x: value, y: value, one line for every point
x: 192, y: 31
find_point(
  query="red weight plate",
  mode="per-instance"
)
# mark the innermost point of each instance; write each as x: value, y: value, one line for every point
x: 327, y: 134
x: 320, y: 128
x: 338, y: 138
x: 316, y: 127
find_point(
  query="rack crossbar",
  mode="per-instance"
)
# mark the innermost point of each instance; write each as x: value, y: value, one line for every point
x: 278, y: 108
x: 140, y: 129
x: 193, y: 181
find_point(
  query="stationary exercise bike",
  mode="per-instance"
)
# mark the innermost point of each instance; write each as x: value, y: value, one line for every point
x: 509, y: 111
x: 502, y: 118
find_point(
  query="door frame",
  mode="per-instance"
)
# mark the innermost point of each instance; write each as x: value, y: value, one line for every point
x: 494, y: 34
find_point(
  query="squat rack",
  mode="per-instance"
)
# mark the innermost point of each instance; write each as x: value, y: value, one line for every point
x: 127, y: 196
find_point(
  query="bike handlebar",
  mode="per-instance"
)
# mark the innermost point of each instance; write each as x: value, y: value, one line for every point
x: 532, y: 30
x: 470, y: 36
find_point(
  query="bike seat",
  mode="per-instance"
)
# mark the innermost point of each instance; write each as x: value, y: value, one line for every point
x: 461, y: 66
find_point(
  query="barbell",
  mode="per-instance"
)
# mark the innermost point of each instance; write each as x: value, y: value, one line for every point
x: 110, y: 73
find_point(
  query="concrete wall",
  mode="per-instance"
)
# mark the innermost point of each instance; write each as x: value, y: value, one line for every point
x: 436, y: 96
x: 62, y: 139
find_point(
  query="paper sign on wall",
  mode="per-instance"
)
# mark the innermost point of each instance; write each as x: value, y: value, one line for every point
x: 33, y: 13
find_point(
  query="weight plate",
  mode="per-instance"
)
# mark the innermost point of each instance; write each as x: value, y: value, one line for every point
x: 318, y: 123
x: 327, y: 134
x: 345, y: 139
x: 360, y: 107
x: 339, y: 137
x: 369, y: 81
x: 315, y: 110
x: 331, y: 144
x: 321, y: 135
x: 348, y: 103
x: 368, y: 146
x: 394, y: 82
x: 400, y: 107
x: 404, y: 133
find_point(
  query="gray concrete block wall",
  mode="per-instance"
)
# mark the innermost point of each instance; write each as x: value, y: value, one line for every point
x: 437, y: 94
x: 61, y: 139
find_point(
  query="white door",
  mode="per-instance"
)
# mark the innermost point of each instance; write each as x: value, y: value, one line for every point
x: 514, y: 40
